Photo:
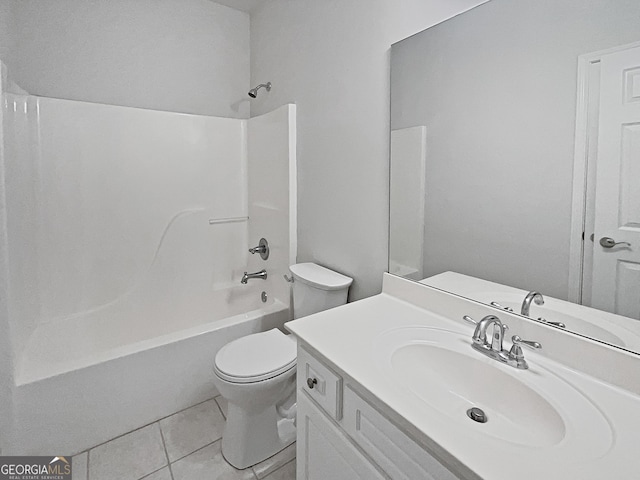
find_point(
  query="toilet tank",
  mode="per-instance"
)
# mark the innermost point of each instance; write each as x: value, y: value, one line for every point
x: 317, y: 288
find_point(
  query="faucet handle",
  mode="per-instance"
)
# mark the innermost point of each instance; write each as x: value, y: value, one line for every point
x: 527, y: 343
x: 262, y: 249
x: 516, y: 355
x: 501, y: 307
x: 467, y: 318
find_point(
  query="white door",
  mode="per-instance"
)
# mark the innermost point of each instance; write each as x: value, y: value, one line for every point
x: 616, y: 266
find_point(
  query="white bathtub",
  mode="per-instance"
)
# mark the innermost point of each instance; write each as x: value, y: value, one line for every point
x: 95, y: 376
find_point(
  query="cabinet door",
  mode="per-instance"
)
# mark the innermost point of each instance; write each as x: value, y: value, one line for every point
x: 395, y: 452
x: 324, y: 452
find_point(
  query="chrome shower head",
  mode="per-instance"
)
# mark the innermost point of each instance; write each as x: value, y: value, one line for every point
x: 253, y: 93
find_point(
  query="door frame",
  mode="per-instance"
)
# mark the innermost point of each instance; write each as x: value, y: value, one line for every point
x: 584, y: 161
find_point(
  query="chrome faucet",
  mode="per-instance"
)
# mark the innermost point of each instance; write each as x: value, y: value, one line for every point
x: 480, y: 341
x: 494, y: 349
x: 526, y: 305
x: 261, y: 274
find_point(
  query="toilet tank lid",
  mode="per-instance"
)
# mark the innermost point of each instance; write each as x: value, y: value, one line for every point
x: 319, y: 277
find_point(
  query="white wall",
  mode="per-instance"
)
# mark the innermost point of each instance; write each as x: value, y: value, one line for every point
x: 331, y: 58
x: 271, y: 178
x: 179, y: 55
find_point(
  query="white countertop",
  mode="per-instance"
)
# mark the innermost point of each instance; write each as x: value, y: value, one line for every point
x: 346, y: 337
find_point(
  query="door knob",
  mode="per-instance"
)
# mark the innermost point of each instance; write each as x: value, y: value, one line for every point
x: 608, y: 242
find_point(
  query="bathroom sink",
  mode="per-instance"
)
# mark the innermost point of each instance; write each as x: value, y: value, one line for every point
x: 532, y: 408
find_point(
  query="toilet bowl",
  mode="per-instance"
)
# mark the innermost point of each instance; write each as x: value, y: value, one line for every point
x: 256, y: 374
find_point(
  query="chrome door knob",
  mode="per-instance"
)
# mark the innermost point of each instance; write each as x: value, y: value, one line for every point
x: 608, y: 242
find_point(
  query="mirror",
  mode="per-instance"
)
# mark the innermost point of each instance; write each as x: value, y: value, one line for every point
x: 499, y: 118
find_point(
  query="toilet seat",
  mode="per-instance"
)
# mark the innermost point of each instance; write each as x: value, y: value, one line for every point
x: 256, y: 357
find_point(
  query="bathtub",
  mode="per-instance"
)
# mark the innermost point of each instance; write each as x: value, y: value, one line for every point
x: 91, y: 377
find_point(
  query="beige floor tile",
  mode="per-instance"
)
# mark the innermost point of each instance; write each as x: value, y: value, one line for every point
x: 278, y: 460
x: 129, y: 457
x: 79, y: 466
x: 222, y: 403
x: 208, y: 463
x: 164, y: 474
x: 193, y: 428
x: 288, y: 472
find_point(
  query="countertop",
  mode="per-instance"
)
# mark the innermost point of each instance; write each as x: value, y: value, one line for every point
x: 347, y: 336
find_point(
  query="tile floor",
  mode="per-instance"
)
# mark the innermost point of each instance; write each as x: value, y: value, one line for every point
x: 184, y: 446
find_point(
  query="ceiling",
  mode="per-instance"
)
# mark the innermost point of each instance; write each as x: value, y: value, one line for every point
x: 243, y: 5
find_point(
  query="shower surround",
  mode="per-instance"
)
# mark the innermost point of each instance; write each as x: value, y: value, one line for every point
x: 127, y: 233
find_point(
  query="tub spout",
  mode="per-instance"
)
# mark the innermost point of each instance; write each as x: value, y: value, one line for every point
x: 261, y: 274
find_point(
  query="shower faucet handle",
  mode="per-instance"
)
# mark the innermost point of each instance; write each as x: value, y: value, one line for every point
x: 262, y: 249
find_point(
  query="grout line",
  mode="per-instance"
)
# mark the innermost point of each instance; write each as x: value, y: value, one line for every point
x: 146, y: 425
x: 87, y: 464
x: 220, y: 408
x: 191, y: 453
x: 149, y: 474
x: 166, y: 453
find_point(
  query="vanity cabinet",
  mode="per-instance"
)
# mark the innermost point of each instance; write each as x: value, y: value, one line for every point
x: 343, y: 436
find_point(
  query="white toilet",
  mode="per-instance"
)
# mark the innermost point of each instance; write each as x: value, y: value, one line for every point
x: 256, y: 373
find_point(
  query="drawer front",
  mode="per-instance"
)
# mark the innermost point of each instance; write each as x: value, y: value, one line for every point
x: 395, y: 452
x: 322, y: 384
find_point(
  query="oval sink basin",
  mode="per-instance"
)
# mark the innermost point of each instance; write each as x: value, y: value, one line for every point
x: 532, y: 408
x: 514, y: 411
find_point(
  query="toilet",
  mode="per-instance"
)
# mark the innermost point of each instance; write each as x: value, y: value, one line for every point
x: 256, y: 374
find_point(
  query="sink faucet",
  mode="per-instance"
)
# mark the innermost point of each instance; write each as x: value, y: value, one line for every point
x: 480, y: 334
x: 526, y: 305
x: 261, y: 274
x: 494, y: 349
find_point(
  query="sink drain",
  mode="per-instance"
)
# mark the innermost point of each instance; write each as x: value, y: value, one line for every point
x: 477, y: 415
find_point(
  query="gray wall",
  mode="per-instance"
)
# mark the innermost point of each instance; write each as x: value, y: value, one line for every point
x: 179, y: 55
x: 496, y: 88
x: 7, y: 31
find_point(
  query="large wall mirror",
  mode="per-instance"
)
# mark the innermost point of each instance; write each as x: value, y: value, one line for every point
x: 515, y: 161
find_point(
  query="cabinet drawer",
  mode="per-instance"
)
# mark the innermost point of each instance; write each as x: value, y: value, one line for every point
x: 324, y: 386
x: 395, y: 452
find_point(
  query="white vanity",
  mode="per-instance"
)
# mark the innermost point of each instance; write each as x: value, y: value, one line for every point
x: 385, y: 385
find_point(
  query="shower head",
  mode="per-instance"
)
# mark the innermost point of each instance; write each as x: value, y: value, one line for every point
x: 253, y: 93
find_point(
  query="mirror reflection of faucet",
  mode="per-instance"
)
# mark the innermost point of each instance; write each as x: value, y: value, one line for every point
x: 497, y: 305
x: 536, y: 297
x: 551, y: 322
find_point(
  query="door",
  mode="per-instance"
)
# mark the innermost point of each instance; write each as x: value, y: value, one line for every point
x: 616, y: 257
